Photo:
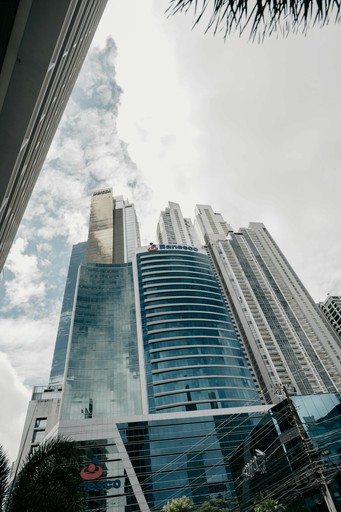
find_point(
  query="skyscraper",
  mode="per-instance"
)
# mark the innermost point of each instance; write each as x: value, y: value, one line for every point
x: 284, y: 334
x: 173, y: 228
x: 58, y: 362
x: 111, y: 219
x: 113, y: 238
x: 42, y: 47
x: 211, y: 224
x: 156, y: 379
x: 193, y: 357
x: 114, y: 232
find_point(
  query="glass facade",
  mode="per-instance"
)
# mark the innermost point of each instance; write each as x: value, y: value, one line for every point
x: 59, y: 356
x: 103, y: 378
x: 165, y: 459
x: 191, y: 424
x: 321, y: 417
x: 289, y: 474
x: 186, y: 456
x: 113, y: 229
x: 193, y: 357
x: 239, y: 457
x: 101, y: 228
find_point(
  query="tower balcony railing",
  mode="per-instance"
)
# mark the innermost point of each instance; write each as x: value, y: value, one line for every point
x: 47, y: 392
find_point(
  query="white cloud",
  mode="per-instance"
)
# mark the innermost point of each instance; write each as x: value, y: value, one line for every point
x: 86, y: 154
x: 29, y: 344
x: 27, y: 283
x: 13, y: 404
x: 251, y: 129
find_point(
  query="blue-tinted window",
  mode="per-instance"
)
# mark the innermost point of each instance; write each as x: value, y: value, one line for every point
x: 202, y: 371
x: 187, y: 309
x: 190, y: 331
x: 103, y: 371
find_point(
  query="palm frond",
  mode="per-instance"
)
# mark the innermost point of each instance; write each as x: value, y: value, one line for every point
x: 48, y: 480
x: 4, y: 475
x: 266, y: 17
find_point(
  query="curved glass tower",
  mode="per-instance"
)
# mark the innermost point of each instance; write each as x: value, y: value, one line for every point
x: 193, y: 357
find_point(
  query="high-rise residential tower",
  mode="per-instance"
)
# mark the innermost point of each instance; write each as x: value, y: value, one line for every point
x: 42, y: 48
x: 284, y: 334
x: 173, y: 228
x: 331, y: 308
x: 211, y: 224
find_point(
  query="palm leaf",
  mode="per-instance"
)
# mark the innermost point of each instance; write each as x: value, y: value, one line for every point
x: 266, y: 17
x: 4, y: 474
x: 49, y: 480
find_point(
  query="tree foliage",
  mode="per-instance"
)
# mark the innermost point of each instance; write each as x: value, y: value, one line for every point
x: 48, y: 481
x: 261, y: 17
x: 4, y: 475
x: 182, y: 504
x: 216, y: 505
x: 269, y: 505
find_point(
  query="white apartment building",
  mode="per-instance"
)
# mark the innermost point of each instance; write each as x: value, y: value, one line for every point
x: 173, y: 228
x: 331, y: 308
x: 285, y: 335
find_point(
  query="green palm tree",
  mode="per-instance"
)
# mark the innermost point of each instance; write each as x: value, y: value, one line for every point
x: 260, y: 17
x: 48, y: 480
x: 4, y: 475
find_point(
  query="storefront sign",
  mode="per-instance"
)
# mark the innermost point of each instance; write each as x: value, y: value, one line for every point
x: 184, y: 247
x: 100, y: 485
x: 93, y: 471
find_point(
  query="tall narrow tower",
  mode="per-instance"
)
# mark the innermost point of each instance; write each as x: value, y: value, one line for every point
x: 113, y: 239
x: 113, y: 229
x: 285, y: 334
x: 173, y: 228
x: 210, y: 224
x: 42, y: 48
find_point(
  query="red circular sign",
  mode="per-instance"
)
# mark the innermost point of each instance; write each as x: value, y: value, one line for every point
x: 91, y: 472
x: 152, y: 248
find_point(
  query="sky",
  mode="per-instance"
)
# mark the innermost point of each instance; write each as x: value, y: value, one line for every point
x: 164, y: 112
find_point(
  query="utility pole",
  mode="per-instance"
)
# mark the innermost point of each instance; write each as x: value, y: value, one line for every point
x: 309, y: 451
